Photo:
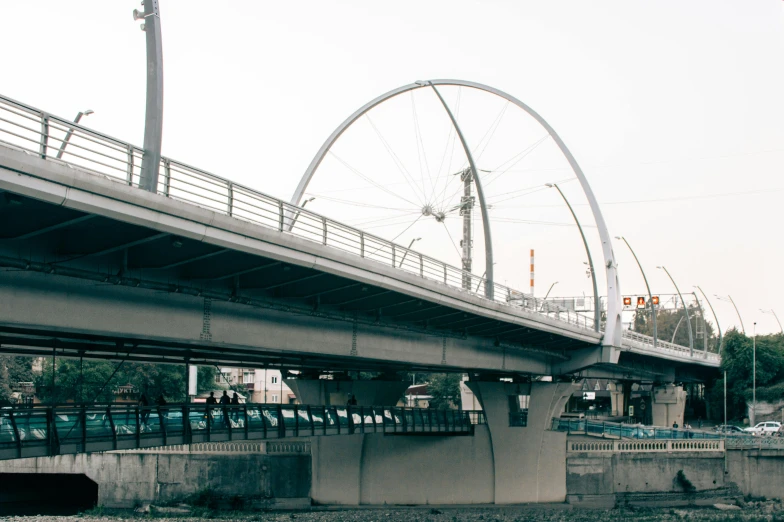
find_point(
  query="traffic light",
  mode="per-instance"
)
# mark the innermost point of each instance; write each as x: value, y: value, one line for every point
x: 655, y: 299
x: 640, y: 302
x: 627, y: 301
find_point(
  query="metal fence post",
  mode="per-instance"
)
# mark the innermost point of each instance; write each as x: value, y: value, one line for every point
x: 166, y: 177
x: 230, y: 202
x: 393, y: 254
x: 323, y: 231
x: 129, y: 166
x: 280, y: 216
x: 445, y: 279
x: 361, y: 244
x: 421, y: 266
x: 44, y: 143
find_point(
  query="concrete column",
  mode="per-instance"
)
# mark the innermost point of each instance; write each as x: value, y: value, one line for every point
x: 529, y: 463
x: 336, y: 393
x: 669, y: 403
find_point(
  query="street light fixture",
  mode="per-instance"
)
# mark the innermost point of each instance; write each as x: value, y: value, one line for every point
x: 596, y: 311
x: 716, y: 317
x: 771, y: 311
x: 407, y: 249
x: 650, y: 295
x: 685, y: 309
x: 544, y: 301
x: 729, y: 298
x: 70, y: 131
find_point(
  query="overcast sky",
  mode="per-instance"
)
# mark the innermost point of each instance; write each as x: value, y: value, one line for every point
x: 673, y: 109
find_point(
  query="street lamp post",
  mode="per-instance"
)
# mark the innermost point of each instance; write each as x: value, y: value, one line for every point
x: 771, y: 311
x: 647, y: 286
x: 685, y: 309
x: 153, y: 120
x: 754, y: 376
x: 716, y: 317
x: 70, y: 132
x: 702, y: 317
x: 729, y: 298
x: 406, y: 252
x: 597, y: 314
x: 544, y: 301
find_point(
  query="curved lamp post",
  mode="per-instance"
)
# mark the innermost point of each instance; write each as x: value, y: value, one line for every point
x: 729, y: 298
x: 685, y: 309
x: 612, y: 335
x: 70, y: 131
x: 407, y: 249
x: 771, y: 311
x: 597, y: 313
x: 716, y: 317
x: 647, y: 286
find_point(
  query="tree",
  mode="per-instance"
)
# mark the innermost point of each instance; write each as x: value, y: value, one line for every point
x: 669, y: 322
x: 737, y: 357
x: 13, y: 369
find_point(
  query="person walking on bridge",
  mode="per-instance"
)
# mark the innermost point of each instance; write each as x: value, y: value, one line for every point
x: 235, y: 402
x: 225, y: 401
x: 210, y: 415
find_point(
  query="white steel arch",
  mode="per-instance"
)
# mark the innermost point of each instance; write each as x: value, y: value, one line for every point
x: 612, y: 336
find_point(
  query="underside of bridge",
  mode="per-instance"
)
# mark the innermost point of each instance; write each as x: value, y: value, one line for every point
x: 91, y: 267
x: 55, y: 259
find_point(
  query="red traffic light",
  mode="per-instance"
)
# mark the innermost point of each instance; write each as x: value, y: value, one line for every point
x: 627, y: 301
x: 641, y: 301
x: 655, y: 299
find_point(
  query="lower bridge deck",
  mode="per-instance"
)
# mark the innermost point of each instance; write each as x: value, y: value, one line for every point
x: 67, y: 429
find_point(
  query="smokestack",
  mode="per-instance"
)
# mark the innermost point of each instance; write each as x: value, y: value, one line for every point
x: 532, y: 272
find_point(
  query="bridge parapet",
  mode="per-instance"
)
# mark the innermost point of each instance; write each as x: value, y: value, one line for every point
x: 644, y: 446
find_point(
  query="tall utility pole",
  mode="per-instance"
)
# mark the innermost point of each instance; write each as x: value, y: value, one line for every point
x: 466, y: 207
x: 153, y: 120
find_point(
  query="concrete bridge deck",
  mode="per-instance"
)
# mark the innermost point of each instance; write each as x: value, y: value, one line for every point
x: 212, y: 272
x: 67, y: 429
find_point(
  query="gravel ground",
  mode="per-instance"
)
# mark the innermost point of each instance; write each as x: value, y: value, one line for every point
x: 754, y: 512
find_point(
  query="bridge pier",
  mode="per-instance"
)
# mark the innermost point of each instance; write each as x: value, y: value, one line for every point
x: 669, y: 405
x: 527, y: 460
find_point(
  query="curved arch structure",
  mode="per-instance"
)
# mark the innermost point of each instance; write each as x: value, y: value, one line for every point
x: 612, y: 335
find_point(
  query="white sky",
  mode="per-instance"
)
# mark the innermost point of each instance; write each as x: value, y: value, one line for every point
x: 674, y: 105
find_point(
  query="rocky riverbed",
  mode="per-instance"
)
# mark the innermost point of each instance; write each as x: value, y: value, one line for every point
x: 753, y: 511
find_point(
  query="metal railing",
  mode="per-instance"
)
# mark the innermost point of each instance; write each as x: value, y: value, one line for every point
x: 628, y: 431
x: 625, y: 446
x: 645, y: 342
x: 44, y: 135
x: 759, y: 442
x: 56, y: 430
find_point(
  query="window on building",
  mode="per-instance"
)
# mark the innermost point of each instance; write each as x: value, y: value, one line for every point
x: 247, y: 377
x: 274, y: 397
x: 518, y: 410
x: 274, y: 380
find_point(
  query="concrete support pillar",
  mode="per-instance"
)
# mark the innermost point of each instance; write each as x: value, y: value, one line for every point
x: 528, y: 462
x: 336, y: 393
x: 669, y: 402
x: 616, y: 399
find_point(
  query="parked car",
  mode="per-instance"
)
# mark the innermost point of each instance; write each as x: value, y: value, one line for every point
x: 764, y: 428
x: 729, y: 429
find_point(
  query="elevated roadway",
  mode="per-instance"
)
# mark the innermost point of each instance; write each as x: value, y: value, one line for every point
x: 207, y: 271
